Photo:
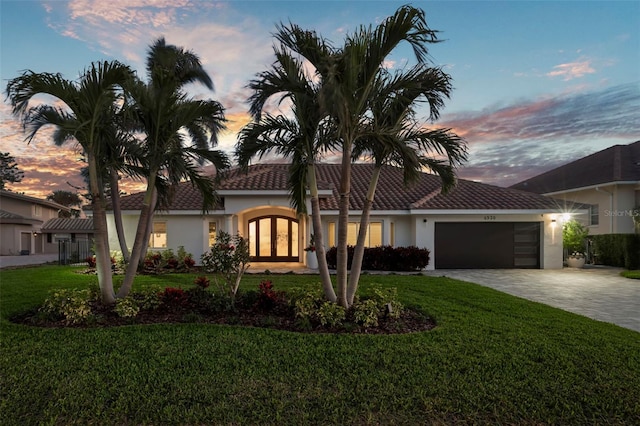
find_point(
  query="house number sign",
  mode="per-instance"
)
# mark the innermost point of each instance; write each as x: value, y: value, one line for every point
x: 490, y: 217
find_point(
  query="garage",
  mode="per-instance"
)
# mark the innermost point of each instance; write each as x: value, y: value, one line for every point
x: 487, y: 245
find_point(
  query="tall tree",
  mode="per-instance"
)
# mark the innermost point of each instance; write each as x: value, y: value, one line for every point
x: 392, y: 135
x: 85, y: 118
x: 301, y: 136
x: 9, y: 171
x: 350, y: 75
x: 68, y: 199
x: 178, y: 134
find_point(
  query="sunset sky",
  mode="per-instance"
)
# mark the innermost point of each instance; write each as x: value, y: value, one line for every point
x: 537, y: 84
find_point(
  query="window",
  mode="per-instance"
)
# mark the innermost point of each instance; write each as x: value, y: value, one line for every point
x: 158, y: 237
x: 373, y: 238
x: 331, y: 241
x: 212, y: 233
x: 594, y: 217
x: 37, y: 210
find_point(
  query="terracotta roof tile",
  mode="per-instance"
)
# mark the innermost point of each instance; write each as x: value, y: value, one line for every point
x: 618, y: 163
x: 391, y: 193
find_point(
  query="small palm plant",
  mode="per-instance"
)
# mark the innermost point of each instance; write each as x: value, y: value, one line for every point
x: 574, y: 235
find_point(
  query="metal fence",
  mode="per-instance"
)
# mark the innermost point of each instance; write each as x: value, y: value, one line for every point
x: 70, y: 252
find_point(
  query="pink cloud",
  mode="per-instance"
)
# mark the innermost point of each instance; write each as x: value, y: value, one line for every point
x: 572, y: 70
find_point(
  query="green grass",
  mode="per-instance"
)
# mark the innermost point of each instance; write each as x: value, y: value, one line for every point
x: 493, y: 359
x: 631, y: 274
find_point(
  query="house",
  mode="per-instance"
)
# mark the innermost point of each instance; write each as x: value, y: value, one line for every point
x: 608, y: 181
x: 21, y: 220
x: 474, y: 226
x: 71, y: 238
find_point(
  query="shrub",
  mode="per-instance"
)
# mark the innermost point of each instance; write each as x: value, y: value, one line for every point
x: 330, y: 314
x: 91, y: 261
x: 149, y: 298
x: 385, y: 258
x: 159, y: 262
x: 74, y: 306
x: 126, y: 307
x: 118, y: 259
x: 267, y: 298
x: 173, y: 297
x: 202, y: 282
x: 387, y: 301
x: 229, y: 257
x: 574, y: 235
x: 152, y: 263
x: 200, y: 300
x: 366, y: 313
x: 311, y: 307
x: 185, y: 259
x: 617, y: 250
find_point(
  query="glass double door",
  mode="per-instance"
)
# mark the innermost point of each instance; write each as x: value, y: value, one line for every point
x: 273, y: 239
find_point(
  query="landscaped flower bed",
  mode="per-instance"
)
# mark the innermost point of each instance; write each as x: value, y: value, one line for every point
x: 300, y: 311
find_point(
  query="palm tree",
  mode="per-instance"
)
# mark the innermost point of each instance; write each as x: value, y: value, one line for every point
x: 349, y: 78
x: 391, y: 135
x: 122, y: 155
x: 300, y: 137
x: 86, y: 118
x: 179, y: 133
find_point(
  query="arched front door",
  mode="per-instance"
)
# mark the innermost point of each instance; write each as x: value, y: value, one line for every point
x: 273, y: 239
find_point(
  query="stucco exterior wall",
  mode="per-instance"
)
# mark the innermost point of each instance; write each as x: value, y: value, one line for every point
x: 27, y: 209
x: 615, y: 203
x: 11, y: 242
x: 190, y: 229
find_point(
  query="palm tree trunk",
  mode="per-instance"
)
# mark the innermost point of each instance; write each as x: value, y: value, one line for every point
x: 103, y: 259
x: 117, y: 215
x: 323, y: 268
x: 145, y: 247
x: 358, y: 254
x: 146, y: 215
x: 343, y: 224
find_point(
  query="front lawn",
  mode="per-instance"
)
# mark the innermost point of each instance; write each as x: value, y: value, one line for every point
x: 493, y: 358
x: 631, y: 274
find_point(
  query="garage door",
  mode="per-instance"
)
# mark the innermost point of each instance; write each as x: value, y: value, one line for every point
x: 494, y: 245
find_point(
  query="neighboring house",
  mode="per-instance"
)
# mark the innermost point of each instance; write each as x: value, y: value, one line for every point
x: 608, y: 181
x: 475, y: 226
x: 73, y: 230
x: 21, y: 220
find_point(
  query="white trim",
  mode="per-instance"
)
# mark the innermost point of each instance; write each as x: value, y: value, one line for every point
x: 476, y: 212
x: 377, y: 213
x: 245, y: 192
x: 585, y: 188
x: 175, y: 213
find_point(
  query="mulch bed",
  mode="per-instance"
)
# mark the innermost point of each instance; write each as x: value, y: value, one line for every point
x: 280, y: 318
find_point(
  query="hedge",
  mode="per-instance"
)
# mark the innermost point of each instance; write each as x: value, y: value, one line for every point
x: 617, y: 250
x: 385, y: 258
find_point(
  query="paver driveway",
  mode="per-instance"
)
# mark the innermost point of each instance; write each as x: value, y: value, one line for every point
x: 598, y: 293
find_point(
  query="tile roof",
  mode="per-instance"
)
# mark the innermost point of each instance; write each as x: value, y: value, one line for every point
x: 186, y: 198
x: 69, y: 225
x: 13, y: 218
x: 391, y: 193
x: 619, y: 163
x: 8, y: 215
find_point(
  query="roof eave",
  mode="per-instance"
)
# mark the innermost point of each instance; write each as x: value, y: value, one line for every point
x: 586, y: 188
